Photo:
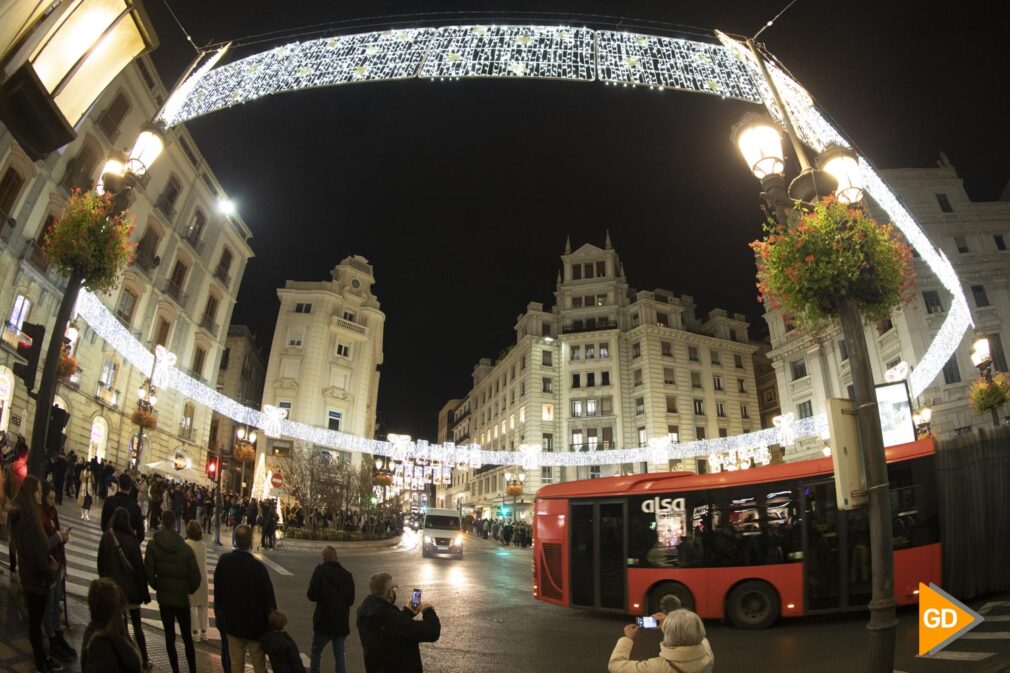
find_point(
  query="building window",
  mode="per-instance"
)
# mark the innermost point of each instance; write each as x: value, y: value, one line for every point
x: 161, y: 332
x: 636, y: 377
x: 634, y: 320
x: 695, y: 380
x: 741, y: 386
x: 576, y: 380
x: 601, y: 269
x: 944, y: 203
x: 932, y: 299
x: 717, y: 382
x: 743, y: 411
x: 576, y: 408
x: 107, y: 379
x: 961, y: 243
x: 951, y: 373
x: 295, y: 337
x: 886, y: 326
x: 590, y: 379
x: 999, y: 241
x: 671, y: 404
x: 343, y: 350
x: 127, y: 302
x: 981, y: 298
x: 225, y: 356
x: 113, y: 116
x: 587, y: 270
x: 699, y: 407
x: 799, y: 368
x: 605, y: 350
x: 673, y: 432
x: 576, y: 302
x: 576, y: 353
x: 715, y: 357
x: 333, y: 419
x: 734, y: 335
x: 301, y: 307
x: 348, y: 316
x: 738, y: 361
x: 199, y: 357
x: 547, y: 413
x: 720, y: 410
x: 546, y: 381
x: 666, y: 349
x: 10, y: 189
x: 591, y: 408
x: 662, y: 319
x: 692, y: 354
x: 636, y: 349
x: 669, y: 377
x: 19, y: 311
x: 546, y: 475
x: 576, y: 272
x: 576, y: 440
x: 699, y: 433
x: 805, y: 409
x: 545, y: 359
x: 843, y: 350
x: 639, y: 406
x: 769, y: 396
x: 547, y: 441
x: 590, y: 351
x: 605, y: 378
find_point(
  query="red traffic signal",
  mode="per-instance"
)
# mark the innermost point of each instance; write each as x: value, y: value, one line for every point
x: 211, y: 467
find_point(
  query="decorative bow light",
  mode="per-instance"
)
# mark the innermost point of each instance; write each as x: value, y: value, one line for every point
x: 475, y: 461
x: 164, y: 363
x: 272, y: 417
x: 659, y: 450
x: 529, y: 456
x: 787, y: 434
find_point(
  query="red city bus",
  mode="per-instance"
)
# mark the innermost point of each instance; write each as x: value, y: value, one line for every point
x: 750, y: 545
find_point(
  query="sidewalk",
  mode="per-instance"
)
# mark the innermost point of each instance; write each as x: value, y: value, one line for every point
x: 16, y: 651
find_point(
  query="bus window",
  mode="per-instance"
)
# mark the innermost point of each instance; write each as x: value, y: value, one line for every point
x: 914, y: 515
x: 667, y: 530
x: 754, y: 525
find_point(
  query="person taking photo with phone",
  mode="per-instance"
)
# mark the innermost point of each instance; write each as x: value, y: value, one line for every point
x: 684, y: 648
x: 390, y: 637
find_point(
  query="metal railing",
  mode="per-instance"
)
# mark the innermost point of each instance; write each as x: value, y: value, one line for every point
x: 146, y: 260
x: 192, y: 238
x: 207, y: 322
x: 221, y: 273
x: 39, y: 260
x: 174, y: 290
x: 589, y: 326
x: 166, y: 206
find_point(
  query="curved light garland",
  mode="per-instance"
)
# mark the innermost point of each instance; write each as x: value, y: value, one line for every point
x: 528, y: 52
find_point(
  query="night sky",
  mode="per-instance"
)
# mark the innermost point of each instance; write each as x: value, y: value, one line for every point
x: 461, y: 194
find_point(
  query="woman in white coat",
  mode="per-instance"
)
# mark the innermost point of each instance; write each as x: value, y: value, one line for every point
x: 684, y: 648
x: 199, y: 600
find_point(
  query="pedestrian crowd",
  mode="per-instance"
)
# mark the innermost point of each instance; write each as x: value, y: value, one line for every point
x: 373, y: 523
x: 504, y: 531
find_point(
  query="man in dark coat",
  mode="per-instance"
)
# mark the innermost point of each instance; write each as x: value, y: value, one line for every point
x: 124, y: 499
x: 332, y: 590
x: 243, y: 601
x: 390, y: 637
x: 59, y: 472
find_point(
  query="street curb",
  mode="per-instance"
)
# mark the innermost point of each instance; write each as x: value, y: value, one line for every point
x: 315, y: 545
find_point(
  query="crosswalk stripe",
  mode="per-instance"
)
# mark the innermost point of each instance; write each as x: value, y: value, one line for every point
x: 961, y: 656
x: 986, y: 635
x: 270, y: 563
x: 997, y: 618
x: 992, y: 604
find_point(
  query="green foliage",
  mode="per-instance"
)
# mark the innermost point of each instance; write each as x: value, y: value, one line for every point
x: 984, y: 395
x: 835, y: 251
x: 91, y: 241
x: 330, y: 535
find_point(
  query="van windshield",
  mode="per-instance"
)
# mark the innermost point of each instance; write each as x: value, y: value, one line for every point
x: 436, y: 521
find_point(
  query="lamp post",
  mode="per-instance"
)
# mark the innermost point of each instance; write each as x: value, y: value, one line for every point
x: 383, y: 474
x: 758, y: 140
x: 923, y: 422
x: 245, y: 439
x: 981, y: 357
x: 514, y: 487
x: 147, y: 399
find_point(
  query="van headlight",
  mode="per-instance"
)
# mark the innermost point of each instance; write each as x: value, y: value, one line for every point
x: 458, y: 541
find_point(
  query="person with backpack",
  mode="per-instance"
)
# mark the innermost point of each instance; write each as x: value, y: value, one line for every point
x: 120, y: 560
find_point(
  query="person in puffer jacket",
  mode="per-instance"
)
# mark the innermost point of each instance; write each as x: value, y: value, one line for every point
x: 389, y: 636
x: 684, y: 648
x: 172, y: 571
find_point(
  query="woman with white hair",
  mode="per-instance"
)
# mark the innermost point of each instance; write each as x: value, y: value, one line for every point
x: 684, y: 648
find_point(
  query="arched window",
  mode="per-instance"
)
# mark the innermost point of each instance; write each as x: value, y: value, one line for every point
x: 19, y: 311
x: 10, y: 189
x: 98, y: 442
x: 186, y: 425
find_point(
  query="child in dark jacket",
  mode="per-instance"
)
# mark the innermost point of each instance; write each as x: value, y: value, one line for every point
x: 280, y: 646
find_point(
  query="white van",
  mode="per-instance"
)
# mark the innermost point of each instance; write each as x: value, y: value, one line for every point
x: 442, y: 533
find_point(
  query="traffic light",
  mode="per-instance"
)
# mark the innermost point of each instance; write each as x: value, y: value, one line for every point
x: 30, y: 348
x: 55, y: 438
x: 212, y: 467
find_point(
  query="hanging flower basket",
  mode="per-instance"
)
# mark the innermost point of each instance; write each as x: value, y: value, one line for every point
x: 514, y: 489
x: 383, y: 479
x: 833, y: 252
x: 67, y: 366
x: 144, y: 419
x: 244, y: 453
x: 985, y: 396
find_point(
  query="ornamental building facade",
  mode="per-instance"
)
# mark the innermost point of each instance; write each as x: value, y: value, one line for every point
x: 605, y: 367
x: 975, y: 237
x: 325, y: 357
x: 178, y: 293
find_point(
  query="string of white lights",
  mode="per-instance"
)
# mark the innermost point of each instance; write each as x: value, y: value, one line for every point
x: 632, y: 59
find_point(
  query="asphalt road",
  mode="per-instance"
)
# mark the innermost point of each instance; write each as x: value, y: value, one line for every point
x: 492, y: 624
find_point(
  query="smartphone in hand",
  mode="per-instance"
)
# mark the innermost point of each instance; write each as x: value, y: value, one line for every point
x: 647, y: 622
x: 415, y: 599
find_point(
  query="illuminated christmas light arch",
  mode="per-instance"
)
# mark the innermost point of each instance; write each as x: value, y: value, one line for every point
x: 614, y: 58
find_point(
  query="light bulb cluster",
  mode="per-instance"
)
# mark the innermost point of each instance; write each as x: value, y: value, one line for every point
x: 672, y: 63
x: 739, y: 459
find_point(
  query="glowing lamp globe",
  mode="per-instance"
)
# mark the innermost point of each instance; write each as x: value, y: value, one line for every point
x: 841, y: 164
x: 927, y: 414
x: 758, y: 140
x: 146, y: 150
x: 980, y: 352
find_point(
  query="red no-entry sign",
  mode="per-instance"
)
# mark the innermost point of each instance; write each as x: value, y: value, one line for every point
x: 277, y: 480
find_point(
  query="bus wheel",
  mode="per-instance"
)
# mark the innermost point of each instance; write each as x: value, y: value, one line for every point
x: 753, y: 605
x: 675, y: 589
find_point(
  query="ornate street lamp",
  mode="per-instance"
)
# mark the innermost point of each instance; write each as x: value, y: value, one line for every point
x: 922, y: 420
x: 514, y: 487
x: 60, y: 63
x: 382, y: 475
x: 244, y: 451
x: 981, y: 357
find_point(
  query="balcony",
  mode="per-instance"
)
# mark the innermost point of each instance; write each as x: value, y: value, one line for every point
x: 146, y: 260
x: 222, y: 273
x: 166, y: 206
x: 348, y: 326
x: 38, y: 260
x: 106, y: 395
x: 207, y: 322
x: 192, y: 238
x: 588, y: 326
x: 174, y: 290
